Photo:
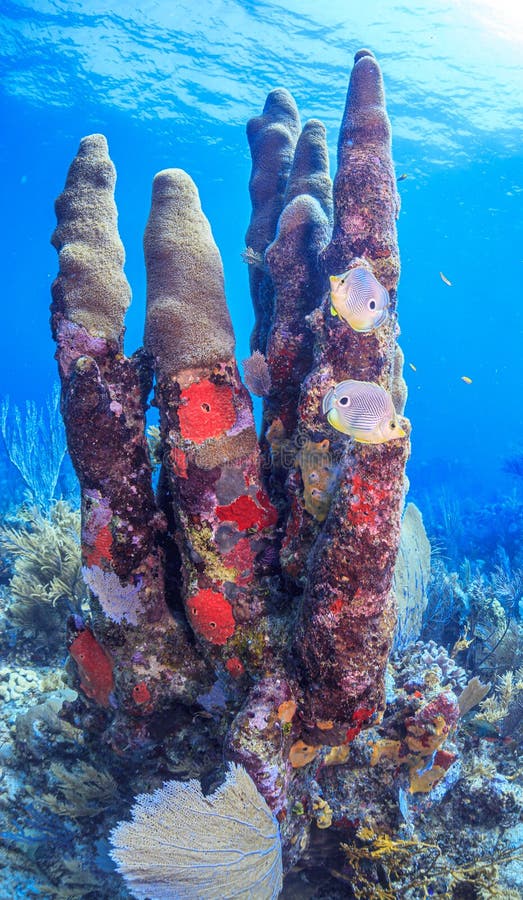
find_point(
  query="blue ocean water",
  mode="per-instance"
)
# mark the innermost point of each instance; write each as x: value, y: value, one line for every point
x: 172, y: 84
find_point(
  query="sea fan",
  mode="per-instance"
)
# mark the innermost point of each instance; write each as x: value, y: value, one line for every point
x: 118, y: 601
x: 256, y: 374
x: 181, y: 844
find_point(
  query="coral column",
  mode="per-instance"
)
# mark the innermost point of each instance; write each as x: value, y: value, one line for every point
x: 292, y: 259
x: 103, y: 405
x: 347, y: 616
x: 272, y: 138
x: 223, y: 518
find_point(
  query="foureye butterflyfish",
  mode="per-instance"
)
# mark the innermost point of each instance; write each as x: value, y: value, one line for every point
x: 359, y: 299
x: 363, y: 410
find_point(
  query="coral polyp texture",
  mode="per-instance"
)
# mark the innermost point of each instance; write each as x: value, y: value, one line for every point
x: 257, y: 580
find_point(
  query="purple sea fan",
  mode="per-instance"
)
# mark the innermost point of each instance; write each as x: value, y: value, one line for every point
x: 117, y: 600
x: 256, y: 374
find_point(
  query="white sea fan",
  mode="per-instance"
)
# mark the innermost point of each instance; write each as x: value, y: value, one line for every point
x: 181, y: 845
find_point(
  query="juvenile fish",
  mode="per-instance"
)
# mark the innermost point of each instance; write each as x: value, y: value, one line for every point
x: 363, y: 410
x: 359, y: 299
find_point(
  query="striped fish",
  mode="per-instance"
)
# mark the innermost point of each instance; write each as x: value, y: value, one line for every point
x: 363, y: 410
x: 359, y: 299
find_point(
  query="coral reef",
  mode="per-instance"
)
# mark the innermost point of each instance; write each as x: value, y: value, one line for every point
x: 45, y: 579
x: 229, y: 679
x: 504, y: 708
x: 379, y: 865
x: 475, y: 611
x: 420, y: 797
x: 80, y: 791
x: 216, y: 551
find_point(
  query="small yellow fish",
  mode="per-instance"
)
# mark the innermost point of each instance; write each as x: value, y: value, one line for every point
x: 466, y: 379
x: 445, y: 279
x: 413, y: 367
x: 363, y: 410
x: 403, y: 176
x: 359, y: 299
x: 462, y: 643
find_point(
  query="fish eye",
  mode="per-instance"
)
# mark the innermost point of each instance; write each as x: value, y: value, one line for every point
x: 344, y: 401
x: 372, y: 304
x: 392, y: 424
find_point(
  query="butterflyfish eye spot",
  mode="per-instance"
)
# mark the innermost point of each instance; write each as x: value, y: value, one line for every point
x: 344, y: 401
x: 372, y: 304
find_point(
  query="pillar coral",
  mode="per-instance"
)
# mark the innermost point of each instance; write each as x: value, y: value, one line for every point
x: 338, y: 555
x: 346, y: 617
x: 103, y: 404
x: 222, y: 513
x: 280, y: 588
x: 292, y: 260
x: 272, y: 139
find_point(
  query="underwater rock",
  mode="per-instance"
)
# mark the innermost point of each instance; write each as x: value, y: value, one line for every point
x: 40, y: 727
x: 489, y: 800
